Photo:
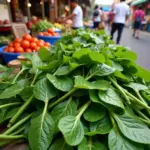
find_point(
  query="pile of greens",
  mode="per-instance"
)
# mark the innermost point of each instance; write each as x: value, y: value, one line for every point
x: 85, y: 93
x: 42, y: 25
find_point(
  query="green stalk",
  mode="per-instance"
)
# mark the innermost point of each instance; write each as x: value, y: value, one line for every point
x: 33, y: 81
x: 19, y: 131
x: 139, y: 96
x: 11, y: 137
x: 120, y: 89
x: 14, y: 127
x: 133, y: 98
x: 83, y: 109
x: 10, y: 104
x: 145, y: 121
x: 62, y: 98
x: 19, y: 73
x: 20, y: 111
x: 141, y: 114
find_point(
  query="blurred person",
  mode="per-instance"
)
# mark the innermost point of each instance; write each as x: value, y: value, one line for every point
x: 121, y: 12
x: 77, y: 15
x: 66, y: 12
x: 96, y: 17
x: 138, y: 17
x: 110, y: 19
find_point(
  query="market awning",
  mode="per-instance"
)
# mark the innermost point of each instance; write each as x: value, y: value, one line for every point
x: 137, y: 2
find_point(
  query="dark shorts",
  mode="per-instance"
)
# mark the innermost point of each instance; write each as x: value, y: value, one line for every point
x: 96, y: 24
x: 76, y: 28
x: 137, y: 25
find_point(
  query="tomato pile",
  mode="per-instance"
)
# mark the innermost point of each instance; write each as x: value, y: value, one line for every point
x: 49, y: 32
x: 27, y: 44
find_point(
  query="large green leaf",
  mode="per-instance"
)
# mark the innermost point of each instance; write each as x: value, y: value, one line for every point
x: 36, y: 63
x: 44, y: 90
x: 101, y: 70
x: 143, y: 73
x: 94, y: 113
x: 118, y: 142
x: 120, y: 75
x: 72, y: 130
x: 11, y: 91
x: 136, y: 86
x: 41, y: 132
x: 88, y: 56
x: 133, y: 129
x: 60, y: 144
x: 62, y: 83
x: 81, y: 83
x: 62, y: 70
x: 111, y: 97
x: 91, y: 145
x: 68, y: 108
x: 44, y: 54
x: 102, y: 126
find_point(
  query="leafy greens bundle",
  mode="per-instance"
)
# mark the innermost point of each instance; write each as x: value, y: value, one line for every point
x: 85, y: 93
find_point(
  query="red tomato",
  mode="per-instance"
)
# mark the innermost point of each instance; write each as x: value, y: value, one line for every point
x: 16, y: 45
x: 6, y: 49
x: 10, y: 44
x: 50, y: 30
x: 11, y: 50
x: 47, y: 44
x: 33, y: 45
x: 17, y: 40
x: 28, y: 50
x: 25, y: 44
x: 34, y: 40
x: 27, y: 37
x: 37, y: 48
x: 40, y: 43
x: 19, y: 50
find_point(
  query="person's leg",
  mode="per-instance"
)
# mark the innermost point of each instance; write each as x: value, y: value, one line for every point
x: 134, y: 29
x: 113, y: 30
x: 120, y: 29
x: 138, y: 30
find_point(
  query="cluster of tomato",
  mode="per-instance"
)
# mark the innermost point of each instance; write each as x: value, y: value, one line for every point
x: 27, y: 44
x: 49, y: 32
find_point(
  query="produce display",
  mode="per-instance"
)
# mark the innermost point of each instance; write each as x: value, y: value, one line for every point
x: 6, y: 39
x: 49, y: 32
x: 58, y: 26
x: 85, y: 93
x: 41, y: 26
x: 27, y: 44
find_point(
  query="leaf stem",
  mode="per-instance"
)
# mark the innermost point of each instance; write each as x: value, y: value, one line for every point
x: 19, y: 131
x: 11, y: 137
x: 83, y: 109
x: 19, y: 73
x: 120, y: 89
x: 10, y: 130
x: 133, y: 98
x: 20, y: 111
x: 33, y: 81
x: 10, y: 104
x: 139, y: 95
x: 62, y: 98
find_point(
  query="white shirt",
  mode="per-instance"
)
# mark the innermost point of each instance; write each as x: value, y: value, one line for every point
x: 98, y: 18
x: 78, y: 18
x: 121, y: 10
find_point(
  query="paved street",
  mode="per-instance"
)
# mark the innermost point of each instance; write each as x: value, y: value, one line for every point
x: 140, y: 46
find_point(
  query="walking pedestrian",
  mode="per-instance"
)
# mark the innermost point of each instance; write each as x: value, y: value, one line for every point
x: 110, y: 19
x: 76, y: 16
x: 138, y: 17
x: 97, y: 17
x: 121, y: 12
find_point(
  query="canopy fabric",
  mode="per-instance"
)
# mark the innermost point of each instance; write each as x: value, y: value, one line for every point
x: 136, y: 2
